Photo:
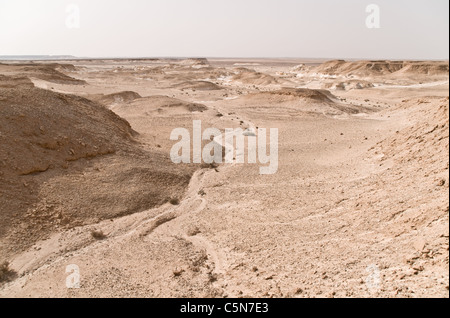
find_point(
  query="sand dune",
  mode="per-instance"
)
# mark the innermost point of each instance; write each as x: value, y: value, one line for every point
x: 251, y: 77
x: 164, y: 103
x: 195, y: 62
x: 298, y: 101
x: 46, y: 72
x: 382, y: 68
x: 349, y: 85
x: 15, y: 82
x: 121, y: 97
x: 49, y: 140
x: 198, y: 85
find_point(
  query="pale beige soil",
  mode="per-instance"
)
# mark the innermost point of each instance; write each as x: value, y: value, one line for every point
x: 361, y: 190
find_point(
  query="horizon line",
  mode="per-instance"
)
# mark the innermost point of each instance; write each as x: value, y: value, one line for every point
x: 61, y: 57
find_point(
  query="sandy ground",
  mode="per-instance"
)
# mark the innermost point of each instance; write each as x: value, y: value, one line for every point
x: 358, y: 207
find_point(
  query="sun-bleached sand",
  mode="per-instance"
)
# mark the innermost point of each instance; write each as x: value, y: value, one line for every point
x: 357, y: 208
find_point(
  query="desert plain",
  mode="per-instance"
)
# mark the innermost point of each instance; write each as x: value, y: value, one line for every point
x: 358, y: 207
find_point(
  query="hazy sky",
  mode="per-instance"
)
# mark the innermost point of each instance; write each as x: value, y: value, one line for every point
x: 410, y: 29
